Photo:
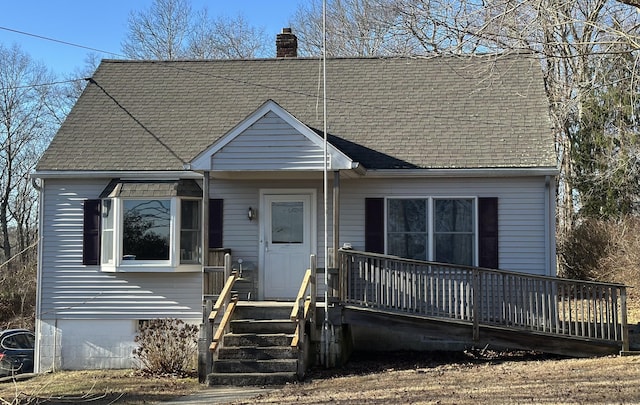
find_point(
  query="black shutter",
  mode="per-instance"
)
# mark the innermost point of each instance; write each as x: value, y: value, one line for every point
x: 91, y: 233
x: 488, y: 232
x: 374, y: 225
x: 215, y: 223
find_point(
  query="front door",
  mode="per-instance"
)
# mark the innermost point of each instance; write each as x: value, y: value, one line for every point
x: 287, y: 241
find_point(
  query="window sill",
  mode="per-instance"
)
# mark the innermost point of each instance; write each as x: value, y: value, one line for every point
x: 151, y: 268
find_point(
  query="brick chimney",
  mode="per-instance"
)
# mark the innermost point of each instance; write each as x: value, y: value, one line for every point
x: 286, y: 44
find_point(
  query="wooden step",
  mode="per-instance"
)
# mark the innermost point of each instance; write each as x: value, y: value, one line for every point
x: 257, y: 353
x: 257, y: 339
x: 250, y: 379
x: 256, y: 366
x: 262, y: 326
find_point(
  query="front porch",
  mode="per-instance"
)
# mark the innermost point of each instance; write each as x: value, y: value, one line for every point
x: 376, y: 302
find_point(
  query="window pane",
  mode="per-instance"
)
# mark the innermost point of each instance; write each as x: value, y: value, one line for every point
x: 407, y: 228
x: 454, y: 234
x: 190, y: 214
x: 190, y: 232
x: 146, y: 230
x: 287, y: 222
x: 407, y: 245
x: 406, y: 215
x: 107, y: 231
x: 453, y: 215
x: 454, y: 248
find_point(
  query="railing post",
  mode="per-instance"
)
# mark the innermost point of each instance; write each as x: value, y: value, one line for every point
x: 314, y: 283
x: 313, y: 292
x: 227, y: 266
x: 205, y: 358
x: 624, y: 326
x: 476, y: 305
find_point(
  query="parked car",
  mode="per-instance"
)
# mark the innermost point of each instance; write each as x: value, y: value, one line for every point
x: 16, y: 351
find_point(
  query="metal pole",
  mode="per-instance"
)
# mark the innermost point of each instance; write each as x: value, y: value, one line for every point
x: 325, y: 328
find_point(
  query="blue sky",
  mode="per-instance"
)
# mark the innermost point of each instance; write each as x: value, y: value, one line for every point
x: 102, y: 24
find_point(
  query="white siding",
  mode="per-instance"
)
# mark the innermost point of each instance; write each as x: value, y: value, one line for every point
x: 71, y: 290
x: 242, y: 235
x: 269, y: 144
x: 75, y: 297
x: 521, y: 215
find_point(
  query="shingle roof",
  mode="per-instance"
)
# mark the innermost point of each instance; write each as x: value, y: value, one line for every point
x: 437, y: 112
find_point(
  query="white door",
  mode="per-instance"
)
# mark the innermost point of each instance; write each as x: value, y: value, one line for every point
x: 287, y: 243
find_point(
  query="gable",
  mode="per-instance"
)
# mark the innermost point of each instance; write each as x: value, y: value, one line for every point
x: 270, y: 139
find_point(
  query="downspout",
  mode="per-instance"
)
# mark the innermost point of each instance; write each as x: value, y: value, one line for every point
x: 206, y: 184
x: 547, y: 226
x: 336, y: 217
x: 205, y: 357
x: 38, y: 314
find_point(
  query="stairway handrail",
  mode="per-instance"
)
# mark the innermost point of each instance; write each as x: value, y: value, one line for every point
x: 225, y: 302
x: 304, y: 305
x: 224, y: 297
x: 220, y: 331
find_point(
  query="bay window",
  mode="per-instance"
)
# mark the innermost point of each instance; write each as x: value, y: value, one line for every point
x: 151, y: 226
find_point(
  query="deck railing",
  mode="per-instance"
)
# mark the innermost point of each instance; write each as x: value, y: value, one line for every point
x: 481, y: 296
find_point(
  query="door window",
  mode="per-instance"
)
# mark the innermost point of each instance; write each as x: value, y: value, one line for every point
x: 287, y: 222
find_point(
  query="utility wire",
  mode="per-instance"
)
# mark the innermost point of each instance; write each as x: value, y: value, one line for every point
x: 26, y: 86
x: 61, y: 42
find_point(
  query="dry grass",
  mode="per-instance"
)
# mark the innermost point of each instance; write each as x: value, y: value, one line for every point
x: 96, y: 387
x: 408, y: 379
x: 576, y: 381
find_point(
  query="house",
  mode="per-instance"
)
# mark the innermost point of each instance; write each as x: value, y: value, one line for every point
x: 445, y: 158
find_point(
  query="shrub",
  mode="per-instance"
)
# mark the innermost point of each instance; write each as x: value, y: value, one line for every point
x: 603, y: 250
x: 167, y: 346
x: 583, y: 249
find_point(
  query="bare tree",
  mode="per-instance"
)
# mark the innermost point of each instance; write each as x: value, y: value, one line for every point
x: 161, y: 32
x: 226, y: 38
x: 170, y: 29
x: 26, y: 126
x: 354, y: 28
x: 569, y: 37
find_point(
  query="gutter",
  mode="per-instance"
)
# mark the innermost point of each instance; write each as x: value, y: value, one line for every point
x: 484, y: 172
x: 547, y: 225
x: 140, y: 174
